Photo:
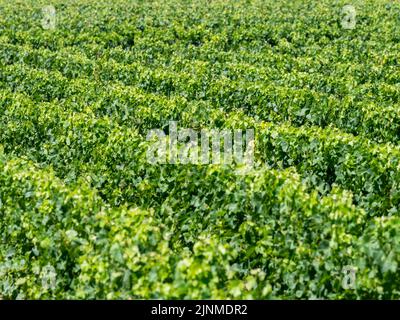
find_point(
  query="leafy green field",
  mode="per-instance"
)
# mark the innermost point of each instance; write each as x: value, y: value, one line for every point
x: 78, y: 197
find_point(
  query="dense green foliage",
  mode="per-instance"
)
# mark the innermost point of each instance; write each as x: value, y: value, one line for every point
x: 78, y: 195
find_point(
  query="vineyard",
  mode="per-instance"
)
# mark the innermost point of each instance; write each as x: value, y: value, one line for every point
x: 84, y: 215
